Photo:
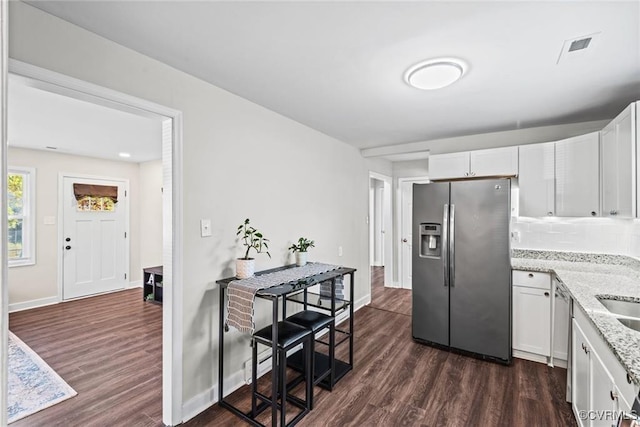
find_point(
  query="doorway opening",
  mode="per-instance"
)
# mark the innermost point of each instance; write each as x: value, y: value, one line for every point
x: 170, y: 169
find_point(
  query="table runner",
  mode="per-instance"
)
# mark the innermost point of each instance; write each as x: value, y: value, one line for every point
x: 242, y: 293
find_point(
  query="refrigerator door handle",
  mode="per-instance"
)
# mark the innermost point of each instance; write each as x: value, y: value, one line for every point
x: 445, y: 247
x: 452, y: 247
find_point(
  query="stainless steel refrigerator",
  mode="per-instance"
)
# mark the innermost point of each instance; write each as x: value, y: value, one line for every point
x: 461, y: 278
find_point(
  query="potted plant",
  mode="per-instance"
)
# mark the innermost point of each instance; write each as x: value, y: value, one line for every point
x: 252, y: 239
x: 300, y: 250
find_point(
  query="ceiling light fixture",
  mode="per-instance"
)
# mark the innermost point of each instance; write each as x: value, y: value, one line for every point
x: 125, y: 155
x: 435, y: 73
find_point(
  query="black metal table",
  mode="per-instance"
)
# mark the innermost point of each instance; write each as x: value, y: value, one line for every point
x: 285, y: 291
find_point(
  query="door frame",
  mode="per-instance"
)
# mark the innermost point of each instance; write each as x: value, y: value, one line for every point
x: 172, y: 171
x: 4, y: 264
x: 127, y: 224
x: 399, y: 223
x: 388, y: 226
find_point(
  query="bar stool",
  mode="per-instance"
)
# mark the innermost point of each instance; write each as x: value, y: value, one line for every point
x: 315, y: 321
x: 289, y: 336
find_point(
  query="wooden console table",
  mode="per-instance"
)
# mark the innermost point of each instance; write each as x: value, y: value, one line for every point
x: 294, y: 291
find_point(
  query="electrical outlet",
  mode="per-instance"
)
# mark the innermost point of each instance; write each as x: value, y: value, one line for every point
x: 339, y: 250
x: 515, y: 236
x: 205, y: 227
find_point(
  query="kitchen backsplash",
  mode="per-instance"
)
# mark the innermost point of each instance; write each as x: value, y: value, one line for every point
x: 596, y: 235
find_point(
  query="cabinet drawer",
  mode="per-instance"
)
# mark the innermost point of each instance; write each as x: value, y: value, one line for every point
x: 532, y: 279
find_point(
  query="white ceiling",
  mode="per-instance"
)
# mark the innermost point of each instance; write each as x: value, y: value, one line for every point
x: 38, y: 119
x: 338, y: 66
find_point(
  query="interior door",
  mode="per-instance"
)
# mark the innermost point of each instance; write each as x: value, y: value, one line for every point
x: 406, y: 232
x: 95, y: 246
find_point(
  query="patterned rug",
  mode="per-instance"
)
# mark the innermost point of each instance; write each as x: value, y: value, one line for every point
x: 32, y: 384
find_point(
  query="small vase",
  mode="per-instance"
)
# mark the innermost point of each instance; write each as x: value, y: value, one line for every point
x: 245, y: 268
x: 301, y: 258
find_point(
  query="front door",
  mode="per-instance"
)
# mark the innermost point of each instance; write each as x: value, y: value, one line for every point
x: 95, y: 246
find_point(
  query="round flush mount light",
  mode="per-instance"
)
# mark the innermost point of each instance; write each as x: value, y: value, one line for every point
x: 435, y: 73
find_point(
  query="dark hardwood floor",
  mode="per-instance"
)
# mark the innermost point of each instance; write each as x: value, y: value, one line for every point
x: 109, y: 349
x: 389, y: 299
x: 397, y: 382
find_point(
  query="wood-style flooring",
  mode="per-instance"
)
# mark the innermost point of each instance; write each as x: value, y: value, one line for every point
x: 397, y: 382
x: 388, y: 299
x: 109, y: 349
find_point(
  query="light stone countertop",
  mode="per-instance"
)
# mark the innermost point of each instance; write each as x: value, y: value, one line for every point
x: 586, y: 276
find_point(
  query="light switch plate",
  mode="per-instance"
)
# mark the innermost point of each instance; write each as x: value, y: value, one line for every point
x: 205, y: 227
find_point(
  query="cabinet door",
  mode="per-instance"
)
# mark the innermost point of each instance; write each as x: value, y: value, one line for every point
x: 580, y: 373
x: 536, y: 179
x: 445, y: 166
x: 618, y: 165
x: 494, y: 162
x: 532, y: 320
x: 577, y: 176
x: 603, y: 403
x: 560, y: 326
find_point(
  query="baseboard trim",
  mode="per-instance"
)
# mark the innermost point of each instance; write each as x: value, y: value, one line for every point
x: 135, y: 284
x: 27, y: 305
x: 209, y: 397
x: 530, y: 356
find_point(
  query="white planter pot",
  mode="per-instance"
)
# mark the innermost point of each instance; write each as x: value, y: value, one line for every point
x: 245, y: 268
x: 301, y: 258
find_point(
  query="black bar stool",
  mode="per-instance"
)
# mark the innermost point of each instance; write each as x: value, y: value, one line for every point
x: 289, y: 336
x: 315, y: 321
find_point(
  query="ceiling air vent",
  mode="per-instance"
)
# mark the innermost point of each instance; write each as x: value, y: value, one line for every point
x: 579, y: 47
x: 579, y: 44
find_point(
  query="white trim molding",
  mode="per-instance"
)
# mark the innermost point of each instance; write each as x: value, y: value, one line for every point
x: 172, y: 317
x: 27, y: 305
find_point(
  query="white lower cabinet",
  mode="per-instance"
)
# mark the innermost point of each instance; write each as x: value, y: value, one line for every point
x: 532, y: 320
x: 599, y: 385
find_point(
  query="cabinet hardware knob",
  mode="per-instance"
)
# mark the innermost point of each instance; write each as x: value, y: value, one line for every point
x: 531, y: 275
x: 67, y: 247
x: 473, y: 174
x: 613, y: 395
x: 546, y: 294
x: 556, y: 295
x: 629, y: 378
x: 404, y: 240
x: 466, y: 174
x: 549, y: 213
x: 68, y: 239
x: 593, y: 213
x: 614, y: 212
x: 583, y: 347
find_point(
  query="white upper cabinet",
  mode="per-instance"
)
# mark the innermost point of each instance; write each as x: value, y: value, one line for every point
x: 491, y: 162
x: 445, y: 166
x: 577, y: 176
x: 618, y: 151
x: 537, y: 179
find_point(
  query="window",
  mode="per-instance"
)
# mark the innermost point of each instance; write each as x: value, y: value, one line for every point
x: 21, y: 216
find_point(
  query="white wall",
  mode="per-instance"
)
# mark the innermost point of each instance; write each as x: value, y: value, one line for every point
x: 238, y: 163
x: 150, y: 199
x: 39, y: 281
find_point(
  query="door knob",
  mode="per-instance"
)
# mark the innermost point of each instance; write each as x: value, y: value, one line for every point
x: 67, y: 247
x: 404, y: 240
x: 68, y: 239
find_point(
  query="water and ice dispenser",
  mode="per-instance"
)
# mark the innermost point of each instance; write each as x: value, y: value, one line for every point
x: 430, y: 240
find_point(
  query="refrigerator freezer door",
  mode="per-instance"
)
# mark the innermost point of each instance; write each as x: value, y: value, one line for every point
x: 480, y: 301
x: 430, y: 314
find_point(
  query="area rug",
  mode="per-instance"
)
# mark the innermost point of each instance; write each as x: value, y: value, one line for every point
x: 32, y: 384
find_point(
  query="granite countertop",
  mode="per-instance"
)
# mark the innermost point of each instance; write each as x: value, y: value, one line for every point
x: 586, y: 276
